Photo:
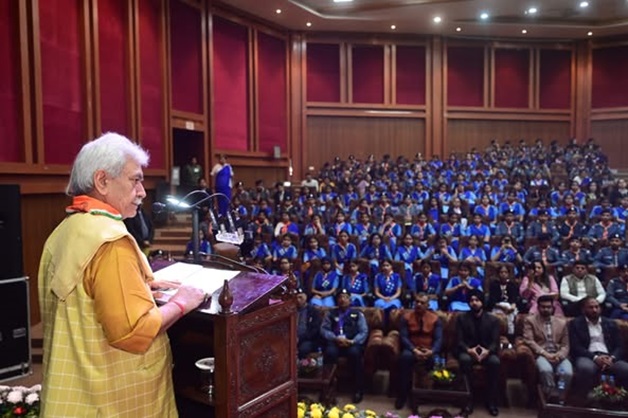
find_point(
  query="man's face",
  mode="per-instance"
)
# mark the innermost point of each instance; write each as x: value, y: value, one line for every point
x: 545, y: 309
x: 284, y: 266
x: 301, y: 300
x: 591, y: 310
x: 579, y: 270
x: 606, y: 217
x: 343, y: 301
x: 475, y: 304
x: 420, y: 304
x: 125, y: 192
x: 575, y: 245
x: 615, y: 243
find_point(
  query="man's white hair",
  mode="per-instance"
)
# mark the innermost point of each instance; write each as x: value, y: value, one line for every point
x: 110, y: 152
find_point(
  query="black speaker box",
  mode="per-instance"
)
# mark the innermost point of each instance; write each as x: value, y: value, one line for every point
x: 10, y: 232
x: 15, y: 347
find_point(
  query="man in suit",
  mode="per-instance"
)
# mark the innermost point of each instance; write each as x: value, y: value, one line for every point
x: 477, y: 333
x: 345, y: 331
x: 548, y: 338
x: 421, y: 333
x: 308, y: 326
x: 595, y: 346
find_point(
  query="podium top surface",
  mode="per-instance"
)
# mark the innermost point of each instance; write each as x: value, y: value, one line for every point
x: 247, y: 288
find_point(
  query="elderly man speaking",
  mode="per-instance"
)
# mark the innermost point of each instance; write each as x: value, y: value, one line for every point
x: 106, y: 352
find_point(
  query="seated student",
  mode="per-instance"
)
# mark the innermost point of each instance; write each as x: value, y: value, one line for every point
x: 391, y: 230
x: 409, y: 254
x: 375, y: 252
x: 204, y: 245
x: 285, y: 269
x: 543, y: 252
x: 480, y: 230
x: 603, y: 230
x: 548, y: 338
x: 387, y: 287
x: 503, y: 298
x: 536, y: 283
x: 452, y: 230
x: 575, y: 252
x: 578, y: 285
x: 614, y: 255
x: 459, y: 287
x: 571, y: 226
x: 421, y: 335
x: 324, y: 285
x: 486, y: 209
x: 510, y: 227
x: 423, y: 231
x: 312, y: 252
x: 408, y: 210
x: 542, y: 226
x: 340, y: 225
x: 356, y: 283
x: 477, y: 337
x: 595, y: 347
x: 308, y: 326
x: 598, y: 210
x: 617, y: 294
x: 442, y: 253
x: 429, y: 283
x: 511, y: 205
x: 286, y: 249
x: 474, y: 255
x: 345, y: 331
x: 285, y: 226
x: 314, y: 226
x: 506, y: 252
x: 343, y: 252
x: 364, y: 229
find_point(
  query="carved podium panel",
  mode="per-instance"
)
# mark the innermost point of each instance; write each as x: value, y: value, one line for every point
x: 254, y: 347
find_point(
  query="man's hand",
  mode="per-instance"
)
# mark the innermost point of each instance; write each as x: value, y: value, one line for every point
x: 163, y: 285
x: 473, y: 353
x: 623, y: 306
x: 604, y: 362
x: 483, y: 354
x: 343, y: 341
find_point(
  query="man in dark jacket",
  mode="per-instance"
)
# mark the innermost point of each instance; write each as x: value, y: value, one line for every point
x: 477, y: 333
x: 308, y: 326
x: 345, y: 331
x: 421, y: 334
x: 595, y: 346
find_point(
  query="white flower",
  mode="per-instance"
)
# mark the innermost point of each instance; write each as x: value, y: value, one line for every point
x: 15, y: 397
x: 35, y: 388
x: 3, y: 388
x: 31, y: 398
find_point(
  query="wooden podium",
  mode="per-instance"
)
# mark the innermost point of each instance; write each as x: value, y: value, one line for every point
x: 254, y: 344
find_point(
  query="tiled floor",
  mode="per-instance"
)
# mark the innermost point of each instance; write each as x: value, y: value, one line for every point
x: 375, y: 401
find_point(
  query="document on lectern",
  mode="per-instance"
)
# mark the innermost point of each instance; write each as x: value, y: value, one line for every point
x: 207, y: 279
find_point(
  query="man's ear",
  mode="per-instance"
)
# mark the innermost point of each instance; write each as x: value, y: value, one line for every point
x: 100, y: 181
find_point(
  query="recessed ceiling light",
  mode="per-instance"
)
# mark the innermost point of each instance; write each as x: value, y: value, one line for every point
x: 437, y: 19
x: 278, y: 11
x: 308, y: 24
x: 343, y: 1
x: 524, y: 31
x: 584, y: 4
x: 484, y: 16
x: 532, y: 11
x: 393, y: 27
x: 589, y: 33
x: 458, y: 29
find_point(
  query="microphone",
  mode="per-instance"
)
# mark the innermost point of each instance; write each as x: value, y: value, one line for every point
x: 159, y: 207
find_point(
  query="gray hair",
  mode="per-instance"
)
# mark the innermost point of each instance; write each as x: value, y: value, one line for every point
x: 110, y: 152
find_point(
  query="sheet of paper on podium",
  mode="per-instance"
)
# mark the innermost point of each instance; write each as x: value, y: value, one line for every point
x: 195, y: 275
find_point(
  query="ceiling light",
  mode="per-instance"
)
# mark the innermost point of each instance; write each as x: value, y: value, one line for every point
x: 278, y: 11
x: 343, y: 1
x: 437, y: 19
x: 308, y: 24
x: 589, y: 33
x: 584, y: 4
x: 393, y: 27
x: 524, y: 31
x: 532, y: 10
x: 458, y: 29
x: 484, y: 16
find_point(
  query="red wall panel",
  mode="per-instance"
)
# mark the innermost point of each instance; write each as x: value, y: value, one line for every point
x: 186, y: 49
x: 465, y: 76
x: 367, y: 71
x: 512, y: 78
x: 62, y: 79
x: 272, y: 93
x: 323, y: 73
x: 410, y: 75
x: 113, y: 53
x: 11, y: 139
x: 231, y: 98
x: 151, y: 86
x: 555, y: 79
x: 610, y: 84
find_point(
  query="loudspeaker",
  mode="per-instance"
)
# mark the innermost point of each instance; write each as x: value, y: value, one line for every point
x: 15, y: 344
x: 10, y: 232
x: 277, y: 151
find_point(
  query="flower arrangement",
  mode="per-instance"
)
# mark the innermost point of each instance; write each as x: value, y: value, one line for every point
x: 316, y: 410
x: 19, y: 401
x: 442, y: 376
x: 608, y: 393
x: 308, y: 365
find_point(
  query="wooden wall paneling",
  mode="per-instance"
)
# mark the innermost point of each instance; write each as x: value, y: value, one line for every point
x: 388, y: 75
x: 253, y: 95
x: 345, y: 81
x: 463, y: 134
x: 612, y: 136
x: 436, y: 129
x: 581, y: 88
x: 249, y: 175
x: 297, y: 89
x: 331, y: 136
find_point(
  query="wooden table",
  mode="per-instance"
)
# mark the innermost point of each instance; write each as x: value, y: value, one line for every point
x: 322, y: 380
x: 554, y: 410
x: 457, y: 392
